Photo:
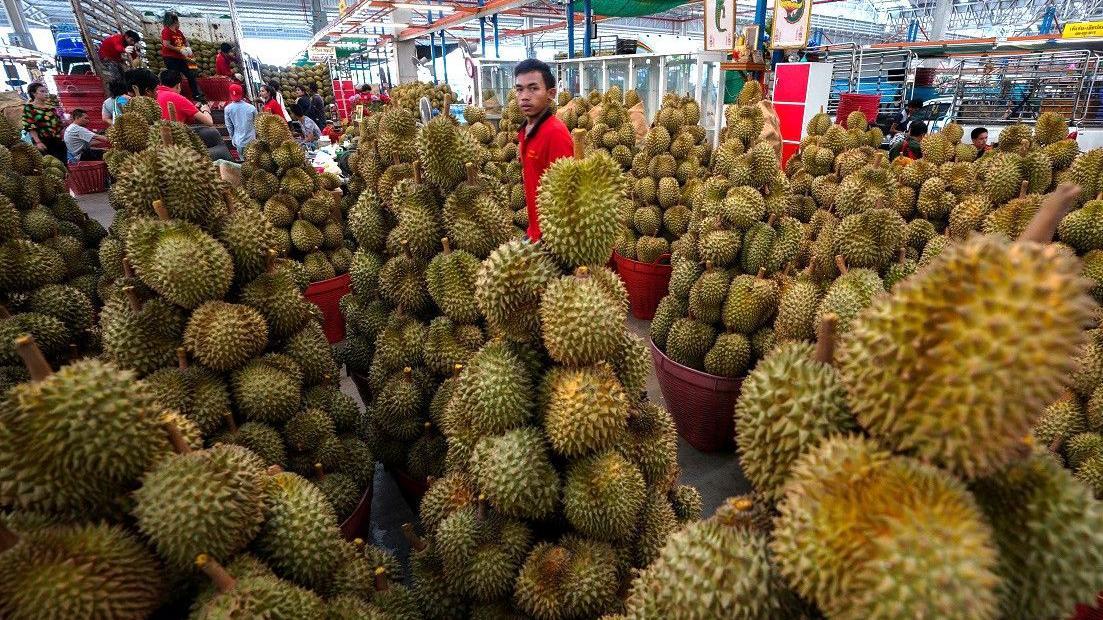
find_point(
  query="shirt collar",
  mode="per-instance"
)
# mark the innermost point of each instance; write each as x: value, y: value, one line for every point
x: 536, y: 126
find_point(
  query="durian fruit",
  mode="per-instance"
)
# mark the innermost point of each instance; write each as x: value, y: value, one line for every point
x: 486, y: 550
x: 576, y: 200
x: 223, y: 336
x: 800, y: 297
x: 889, y: 536
x: 573, y: 578
x: 299, y: 539
x: 258, y: 594
x: 515, y: 473
x: 578, y: 324
x: 603, y: 495
x: 179, y: 261
x: 586, y: 409
x: 450, y: 280
x: 509, y: 286
x: 980, y: 431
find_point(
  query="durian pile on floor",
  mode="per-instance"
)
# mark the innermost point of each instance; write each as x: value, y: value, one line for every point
x: 287, y: 78
x: 894, y: 473
x: 560, y: 475
x: 412, y: 309
x: 612, y: 130
x: 198, y: 306
x: 304, y: 206
x: 665, y: 173
x: 409, y: 95
x: 48, y: 260
x: 575, y: 111
x: 119, y: 511
x: 504, y: 163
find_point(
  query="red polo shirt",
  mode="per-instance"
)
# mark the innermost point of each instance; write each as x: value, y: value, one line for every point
x: 549, y: 140
x: 223, y: 66
x: 177, y: 39
x: 113, y: 47
x: 185, y: 109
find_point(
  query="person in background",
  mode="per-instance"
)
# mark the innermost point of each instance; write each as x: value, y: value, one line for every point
x: 240, y: 120
x: 979, y: 138
x: 363, y: 96
x: 277, y: 94
x: 82, y: 143
x: 544, y: 138
x: 311, y: 133
x: 118, y: 53
x: 186, y: 111
x: 317, y: 106
x: 113, y: 105
x: 224, y: 62
x: 42, y: 123
x: 332, y: 132
x: 177, y: 54
x: 271, y: 105
x: 302, y: 99
x: 899, y: 128
x: 909, y: 147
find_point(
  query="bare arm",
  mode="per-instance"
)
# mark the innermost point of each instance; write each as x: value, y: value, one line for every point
x: 203, y: 118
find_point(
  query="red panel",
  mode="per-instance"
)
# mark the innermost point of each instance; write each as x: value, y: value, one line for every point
x: 787, y: 150
x: 791, y: 82
x: 791, y: 117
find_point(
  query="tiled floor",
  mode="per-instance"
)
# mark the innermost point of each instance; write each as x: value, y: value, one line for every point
x: 716, y: 475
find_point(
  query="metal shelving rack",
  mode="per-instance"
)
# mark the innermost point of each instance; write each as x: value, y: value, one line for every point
x: 100, y: 19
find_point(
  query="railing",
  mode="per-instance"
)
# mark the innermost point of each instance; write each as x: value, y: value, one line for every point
x: 888, y: 73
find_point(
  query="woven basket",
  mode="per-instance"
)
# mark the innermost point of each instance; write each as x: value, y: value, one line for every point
x: 702, y: 405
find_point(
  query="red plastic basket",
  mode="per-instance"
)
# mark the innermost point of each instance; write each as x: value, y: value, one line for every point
x: 358, y: 524
x: 87, y: 177
x: 1090, y: 612
x: 866, y: 104
x: 215, y: 88
x: 326, y: 295
x: 703, y: 405
x: 647, y: 284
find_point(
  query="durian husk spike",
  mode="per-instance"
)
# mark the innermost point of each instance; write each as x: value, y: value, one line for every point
x: 181, y: 358
x: 37, y: 366
x: 230, y: 423
x: 417, y: 171
x: 825, y: 338
x: 159, y: 208
x: 472, y: 172
x: 166, y: 131
x: 840, y: 262
x: 1054, y: 207
x: 579, y: 136
x: 381, y: 581
x: 8, y: 539
x: 179, y: 444
x: 172, y: 116
x: 320, y: 471
x: 1023, y: 187
x: 446, y: 244
x: 415, y: 541
x: 132, y: 298
x: 223, y: 580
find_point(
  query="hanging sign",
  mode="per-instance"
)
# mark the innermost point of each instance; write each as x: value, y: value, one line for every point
x: 792, y: 24
x: 720, y: 25
x: 1082, y: 30
x: 321, y: 54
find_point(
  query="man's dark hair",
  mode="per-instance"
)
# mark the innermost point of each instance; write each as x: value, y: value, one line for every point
x: 169, y: 77
x: 532, y: 64
x: 130, y: 34
x: 144, y: 79
x: 170, y: 18
x: 976, y: 132
x: 313, y: 87
x: 295, y: 109
x: 917, y: 128
x: 915, y: 103
x: 79, y: 113
x: 225, y: 48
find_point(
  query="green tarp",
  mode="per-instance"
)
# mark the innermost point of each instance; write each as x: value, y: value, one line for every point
x: 629, y: 8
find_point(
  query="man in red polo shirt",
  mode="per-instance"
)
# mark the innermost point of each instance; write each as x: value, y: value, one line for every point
x: 186, y: 112
x: 118, y: 53
x: 544, y: 138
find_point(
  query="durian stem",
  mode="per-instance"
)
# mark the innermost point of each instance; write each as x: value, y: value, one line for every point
x: 36, y: 363
x: 8, y: 539
x: 579, y: 136
x: 771, y: 220
x: 4, y: 314
x: 179, y: 444
x: 128, y: 268
x: 708, y: 265
x: 270, y: 261
x: 408, y: 373
x: 273, y: 469
x: 229, y: 419
x: 446, y: 109
x: 181, y: 358
x: 320, y: 471
x: 1056, y: 204
x: 456, y: 368
x: 132, y: 297
x: 396, y: 159
x: 472, y: 172
x: 159, y: 208
x: 447, y: 245
x: 222, y: 579
x: 228, y: 198
x: 840, y: 262
x: 1023, y: 188
x: 582, y: 272
x: 74, y: 351
x: 901, y: 254
x: 172, y: 115
x: 761, y: 273
x: 825, y: 338
x: 417, y: 171
x: 415, y: 541
x: 166, y: 134
x: 381, y: 581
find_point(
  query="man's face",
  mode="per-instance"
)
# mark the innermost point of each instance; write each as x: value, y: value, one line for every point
x: 533, y: 96
x: 81, y: 120
x: 130, y: 41
x: 981, y: 141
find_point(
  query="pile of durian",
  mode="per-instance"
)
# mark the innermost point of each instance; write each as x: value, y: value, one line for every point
x: 560, y: 476
x: 664, y: 172
x: 894, y: 471
x: 199, y: 307
x: 575, y: 111
x: 504, y: 163
x: 289, y: 77
x: 48, y: 260
x: 409, y: 96
x: 611, y: 129
x: 413, y: 309
x: 304, y: 206
x: 119, y: 511
x: 205, y: 55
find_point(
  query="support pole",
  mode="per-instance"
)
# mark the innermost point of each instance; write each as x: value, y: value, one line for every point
x: 588, y: 25
x: 433, y: 48
x: 18, y: 23
x: 494, y: 20
x: 482, y: 32
x: 443, y: 54
x: 570, y: 29
x: 913, y: 31
x: 239, y: 37
x: 760, y: 19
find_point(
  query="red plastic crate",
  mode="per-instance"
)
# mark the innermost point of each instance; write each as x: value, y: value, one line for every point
x: 78, y: 82
x: 866, y: 104
x: 87, y: 177
x: 702, y: 405
x: 215, y: 88
x: 646, y: 284
x: 326, y: 295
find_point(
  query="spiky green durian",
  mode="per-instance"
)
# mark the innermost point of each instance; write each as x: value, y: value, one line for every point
x: 602, y: 495
x: 932, y: 553
x: 311, y: 350
x: 445, y: 496
x: 586, y: 409
x: 300, y: 539
x: 276, y: 296
x: 402, y: 283
x: 494, y: 392
x: 579, y: 325
x: 689, y: 340
x: 870, y: 239
x: 708, y: 294
x: 261, y: 439
x: 515, y: 473
x: 574, y: 578
x: 444, y: 148
x: 982, y: 429
x: 260, y: 596
x: 509, y: 286
x: 484, y: 551
x: 729, y: 356
x: 1082, y: 228
x: 223, y: 336
x: 197, y: 393
x: 796, y: 309
x: 268, y: 388
x: 141, y: 336
x: 686, y: 502
x: 751, y: 302
x: 668, y: 311
x: 179, y: 261
x: 848, y: 295
x: 210, y: 500
x: 476, y: 217
x: 97, y: 571
x: 65, y: 303
x: 51, y: 334
x: 577, y: 202
x: 450, y: 279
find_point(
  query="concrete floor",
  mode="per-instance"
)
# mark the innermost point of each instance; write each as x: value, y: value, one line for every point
x: 716, y: 475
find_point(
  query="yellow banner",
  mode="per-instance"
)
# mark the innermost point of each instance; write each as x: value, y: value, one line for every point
x: 1082, y: 30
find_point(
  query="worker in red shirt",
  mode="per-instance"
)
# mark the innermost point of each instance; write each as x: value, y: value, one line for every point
x: 544, y: 138
x: 177, y: 54
x: 224, y: 62
x: 118, y: 53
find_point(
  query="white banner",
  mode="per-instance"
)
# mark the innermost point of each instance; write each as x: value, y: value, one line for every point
x: 792, y: 24
x: 720, y: 25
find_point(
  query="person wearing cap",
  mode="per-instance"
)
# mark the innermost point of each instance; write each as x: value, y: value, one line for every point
x: 240, y: 119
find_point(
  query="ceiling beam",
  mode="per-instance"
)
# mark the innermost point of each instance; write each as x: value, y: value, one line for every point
x: 457, y: 18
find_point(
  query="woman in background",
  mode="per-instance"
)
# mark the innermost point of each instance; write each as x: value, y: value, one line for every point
x: 113, y: 105
x: 41, y: 121
x: 271, y: 104
x: 177, y: 54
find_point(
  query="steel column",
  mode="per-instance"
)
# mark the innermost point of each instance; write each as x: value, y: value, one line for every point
x: 482, y: 31
x: 570, y: 29
x: 760, y: 19
x: 588, y: 24
x: 18, y: 23
x: 494, y: 19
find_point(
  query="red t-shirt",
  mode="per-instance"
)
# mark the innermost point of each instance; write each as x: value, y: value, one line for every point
x: 550, y: 140
x: 331, y: 133
x: 185, y: 109
x: 113, y: 47
x: 273, y: 107
x: 222, y: 65
x: 175, y: 38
